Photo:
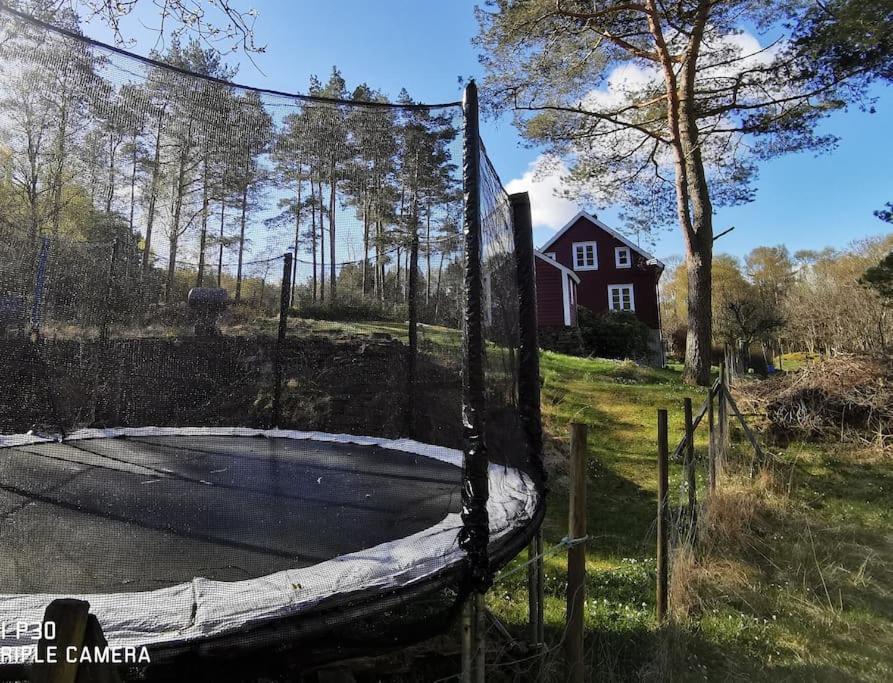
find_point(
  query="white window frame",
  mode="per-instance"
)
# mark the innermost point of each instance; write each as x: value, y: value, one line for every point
x: 621, y: 288
x: 594, y: 246
x: 629, y: 257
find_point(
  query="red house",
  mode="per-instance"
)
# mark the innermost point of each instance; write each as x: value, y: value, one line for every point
x: 586, y: 263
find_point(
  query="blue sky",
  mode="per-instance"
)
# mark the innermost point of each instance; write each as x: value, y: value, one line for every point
x: 803, y: 201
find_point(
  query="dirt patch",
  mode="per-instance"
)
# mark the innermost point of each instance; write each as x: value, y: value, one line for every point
x: 354, y: 385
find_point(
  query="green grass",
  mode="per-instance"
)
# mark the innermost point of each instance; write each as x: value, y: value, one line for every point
x: 805, y: 592
x: 815, y: 600
x: 791, y: 362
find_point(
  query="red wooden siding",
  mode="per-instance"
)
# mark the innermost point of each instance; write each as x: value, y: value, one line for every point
x: 549, y: 300
x: 592, y: 291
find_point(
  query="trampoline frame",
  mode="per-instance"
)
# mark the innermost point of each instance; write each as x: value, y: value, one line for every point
x: 222, y: 607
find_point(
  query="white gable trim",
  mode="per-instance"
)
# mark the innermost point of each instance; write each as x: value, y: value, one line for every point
x: 563, y: 268
x: 597, y: 223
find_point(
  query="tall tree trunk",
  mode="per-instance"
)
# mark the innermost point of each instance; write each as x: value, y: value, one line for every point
x: 692, y: 194
x: 365, y: 202
x: 322, y: 244
x: 110, y: 195
x: 397, y: 284
x: 221, y: 242
x: 242, y: 220
x: 382, y: 267
x: 153, y: 195
x: 175, y: 229
x: 60, y: 165
x: 428, y: 253
x: 203, y: 235
x: 700, y: 242
x: 437, y: 290
x: 294, y: 270
x: 133, y: 172
x: 333, y: 185
x: 313, y: 234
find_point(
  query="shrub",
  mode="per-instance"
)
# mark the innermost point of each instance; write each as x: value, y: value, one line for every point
x: 612, y: 335
x: 350, y: 309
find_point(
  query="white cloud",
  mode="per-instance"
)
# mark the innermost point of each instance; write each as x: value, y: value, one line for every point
x: 623, y: 82
x: 541, y: 181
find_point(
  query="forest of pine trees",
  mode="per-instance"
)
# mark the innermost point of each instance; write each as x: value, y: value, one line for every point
x: 148, y: 181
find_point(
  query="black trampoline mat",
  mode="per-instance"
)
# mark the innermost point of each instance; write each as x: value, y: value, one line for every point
x: 140, y: 513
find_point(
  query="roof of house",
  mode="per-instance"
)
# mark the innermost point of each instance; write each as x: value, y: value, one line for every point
x: 553, y: 262
x: 597, y: 223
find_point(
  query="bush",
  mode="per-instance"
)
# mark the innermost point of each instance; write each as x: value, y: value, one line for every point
x: 612, y: 335
x: 350, y: 309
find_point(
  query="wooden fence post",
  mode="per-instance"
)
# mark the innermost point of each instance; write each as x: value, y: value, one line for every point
x: 473, y: 649
x: 662, y: 516
x: 468, y: 624
x: 723, y: 428
x: 532, y: 595
x: 576, y: 555
x: 691, y: 482
x: 535, y: 591
x: 711, y: 444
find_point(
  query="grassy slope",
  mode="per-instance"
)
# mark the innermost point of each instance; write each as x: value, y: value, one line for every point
x: 803, y: 592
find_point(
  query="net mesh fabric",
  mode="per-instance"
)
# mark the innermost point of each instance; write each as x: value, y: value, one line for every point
x: 148, y: 182
x: 129, y: 184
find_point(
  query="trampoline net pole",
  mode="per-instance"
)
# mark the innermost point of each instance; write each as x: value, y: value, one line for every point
x: 475, y: 532
x: 528, y: 351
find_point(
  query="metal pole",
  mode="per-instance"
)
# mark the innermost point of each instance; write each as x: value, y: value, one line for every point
x: 475, y: 532
x: 529, y: 393
x: 576, y: 555
x: 662, y: 516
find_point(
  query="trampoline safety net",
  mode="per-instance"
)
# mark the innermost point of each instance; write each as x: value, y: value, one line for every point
x: 268, y: 370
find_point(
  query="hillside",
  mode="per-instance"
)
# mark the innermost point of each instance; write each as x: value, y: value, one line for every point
x: 791, y: 580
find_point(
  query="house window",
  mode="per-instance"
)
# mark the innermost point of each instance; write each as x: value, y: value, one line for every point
x: 622, y: 257
x: 620, y: 298
x: 585, y: 256
x: 551, y: 255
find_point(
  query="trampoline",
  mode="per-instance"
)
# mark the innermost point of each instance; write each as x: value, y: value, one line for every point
x: 338, y: 444
x: 174, y: 534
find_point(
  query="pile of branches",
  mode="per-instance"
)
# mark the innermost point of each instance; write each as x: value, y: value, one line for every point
x: 842, y: 398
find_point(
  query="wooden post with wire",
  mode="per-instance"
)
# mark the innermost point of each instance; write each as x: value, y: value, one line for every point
x: 723, y: 427
x: 473, y: 628
x: 690, y: 480
x: 576, y: 555
x: 711, y: 444
x: 663, y: 522
x: 468, y: 624
x: 534, y: 592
